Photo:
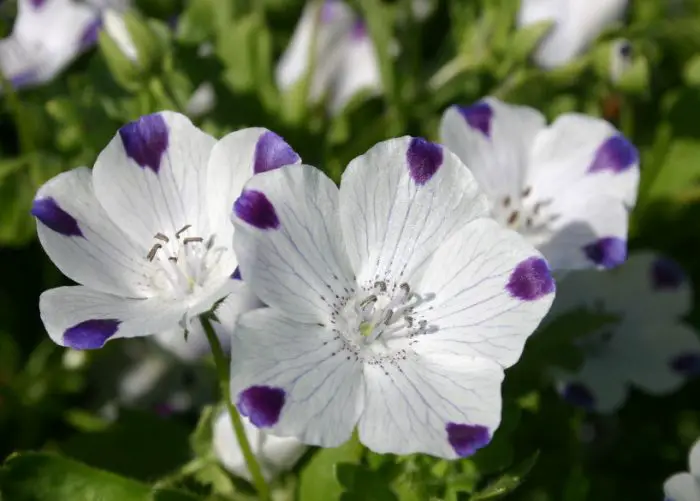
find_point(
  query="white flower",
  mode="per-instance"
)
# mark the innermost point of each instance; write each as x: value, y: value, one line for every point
x: 345, y: 60
x: 394, y: 304
x: 566, y: 187
x: 202, y: 101
x: 147, y: 231
x: 274, y: 454
x: 577, y: 24
x: 685, y: 486
x: 648, y: 346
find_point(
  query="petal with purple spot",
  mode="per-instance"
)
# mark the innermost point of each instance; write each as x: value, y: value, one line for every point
x: 254, y: 208
x: 90, y: 334
x: 53, y: 216
x: 686, y: 364
x: 666, y: 274
x: 261, y: 404
x: 90, y: 34
x: 424, y: 159
x: 466, y: 439
x: 615, y: 155
x: 531, y: 280
x: 579, y: 395
x: 145, y: 140
x: 478, y: 116
x: 608, y: 252
x: 272, y: 152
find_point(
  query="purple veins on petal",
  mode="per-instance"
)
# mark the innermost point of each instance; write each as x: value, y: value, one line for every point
x: 608, y: 252
x: 272, y: 152
x: 90, y: 334
x: 261, y: 404
x: 145, y: 140
x: 254, y: 208
x: 686, y: 364
x: 531, y: 280
x: 424, y: 159
x: 666, y: 274
x: 52, y: 215
x: 478, y: 116
x: 466, y: 439
x: 579, y: 395
x: 615, y: 155
x: 89, y: 36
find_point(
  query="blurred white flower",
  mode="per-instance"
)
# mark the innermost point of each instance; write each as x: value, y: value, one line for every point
x: 275, y: 454
x: 567, y: 187
x: 685, y: 486
x: 577, y: 23
x: 117, y: 30
x: 621, y: 58
x: 202, y: 101
x: 648, y: 346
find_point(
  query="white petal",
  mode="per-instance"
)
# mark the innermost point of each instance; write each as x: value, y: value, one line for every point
x: 84, y: 242
x: 81, y: 318
x: 202, y: 100
x: 580, y: 155
x: 275, y: 454
x: 694, y: 459
x: 152, y: 177
x: 493, y: 139
x: 116, y: 28
x: 295, y: 379
x: 491, y: 291
x: 399, y: 202
x: 599, y: 386
x: 682, y: 487
x: 288, y: 242
x: 445, y: 406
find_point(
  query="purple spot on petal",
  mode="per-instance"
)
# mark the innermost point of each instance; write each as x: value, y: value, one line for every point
x: 478, y: 116
x: 615, y: 155
x: 666, y: 274
x: 359, y: 30
x: 466, y: 439
x: 272, y: 152
x: 89, y: 36
x: 424, y: 159
x: 37, y: 4
x: 579, y: 395
x: 23, y: 79
x: 531, y: 280
x: 261, y: 404
x: 90, y: 334
x: 145, y: 140
x: 607, y: 252
x: 328, y: 11
x: 254, y: 208
x: 686, y: 364
x: 52, y: 215
x: 236, y: 275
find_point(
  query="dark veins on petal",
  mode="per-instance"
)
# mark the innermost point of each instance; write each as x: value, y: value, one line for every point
x: 145, y: 140
x: 615, y: 155
x: 478, y: 116
x: 254, y: 208
x: 531, y: 280
x: 272, y: 152
x: 261, y: 404
x: 424, y: 159
x: 90, y: 334
x: 52, y: 215
x: 608, y: 252
x: 466, y: 439
x: 666, y: 274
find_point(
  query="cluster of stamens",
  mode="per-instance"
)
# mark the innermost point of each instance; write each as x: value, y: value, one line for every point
x: 525, y: 214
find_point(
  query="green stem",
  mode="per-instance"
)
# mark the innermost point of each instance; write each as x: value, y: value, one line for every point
x: 222, y: 368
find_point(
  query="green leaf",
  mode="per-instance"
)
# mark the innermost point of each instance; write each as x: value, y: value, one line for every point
x: 506, y: 483
x: 49, y: 477
x: 201, y: 438
x: 525, y: 40
x: 363, y: 484
x: 318, y: 481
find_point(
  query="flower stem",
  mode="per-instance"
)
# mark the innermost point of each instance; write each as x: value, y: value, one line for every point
x: 222, y: 368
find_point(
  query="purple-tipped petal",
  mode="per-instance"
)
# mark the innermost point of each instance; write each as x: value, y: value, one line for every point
x: 615, y: 155
x: 23, y: 79
x: 666, y: 274
x: 531, y: 280
x: 272, y: 152
x: 424, y: 159
x: 329, y: 11
x: 686, y: 364
x: 608, y: 252
x: 261, y: 404
x: 236, y: 275
x: 37, y: 4
x: 254, y: 208
x: 52, y: 215
x: 359, y: 30
x: 466, y: 439
x: 579, y: 395
x: 145, y: 140
x: 478, y: 116
x: 90, y: 334
x: 91, y: 33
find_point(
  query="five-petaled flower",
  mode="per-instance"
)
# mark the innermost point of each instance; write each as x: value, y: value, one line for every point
x: 395, y: 305
x: 147, y: 231
x: 566, y: 187
x: 685, y: 486
x: 647, y: 346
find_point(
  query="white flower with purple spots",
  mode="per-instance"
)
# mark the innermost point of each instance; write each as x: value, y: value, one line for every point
x: 685, y: 486
x: 566, y: 187
x: 345, y: 60
x: 275, y: 454
x: 576, y: 25
x: 647, y: 347
x: 395, y: 304
x: 147, y: 232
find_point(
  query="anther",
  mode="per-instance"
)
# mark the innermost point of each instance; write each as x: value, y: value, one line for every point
x: 182, y: 230
x: 162, y: 237
x: 387, y: 317
x: 368, y: 300
x: 381, y: 285
x: 513, y: 217
x: 153, y: 251
x: 527, y: 191
x: 506, y: 202
x: 422, y: 324
x: 405, y: 288
x: 172, y: 259
x: 409, y: 321
x: 191, y: 240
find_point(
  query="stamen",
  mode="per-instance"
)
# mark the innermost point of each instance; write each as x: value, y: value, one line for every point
x: 152, y: 253
x: 182, y: 230
x: 172, y: 259
x: 162, y: 237
x: 405, y: 288
x: 192, y: 239
x: 527, y: 191
x: 381, y: 285
x: 513, y: 217
x: 506, y: 202
x: 368, y: 300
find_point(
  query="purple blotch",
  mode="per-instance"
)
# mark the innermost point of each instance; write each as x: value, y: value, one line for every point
x: 90, y: 334
x: 686, y: 364
x: 272, y: 152
x: 615, y: 155
x: 261, y: 404
x: 328, y: 11
x: 579, y: 395
x: 608, y: 252
x: 52, y: 215
x: 666, y: 274
x: 37, y: 4
x: 531, y: 280
x: 145, y: 140
x: 254, y: 208
x: 23, y: 79
x: 89, y: 36
x: 424, y: 159
x: 466, y: 439
x: 478, y: 116
x: 236, y: 275
x: 359, y: 30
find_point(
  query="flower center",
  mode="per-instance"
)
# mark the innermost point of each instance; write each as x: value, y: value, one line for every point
x: 526, y: 215
x: 185, y: 261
